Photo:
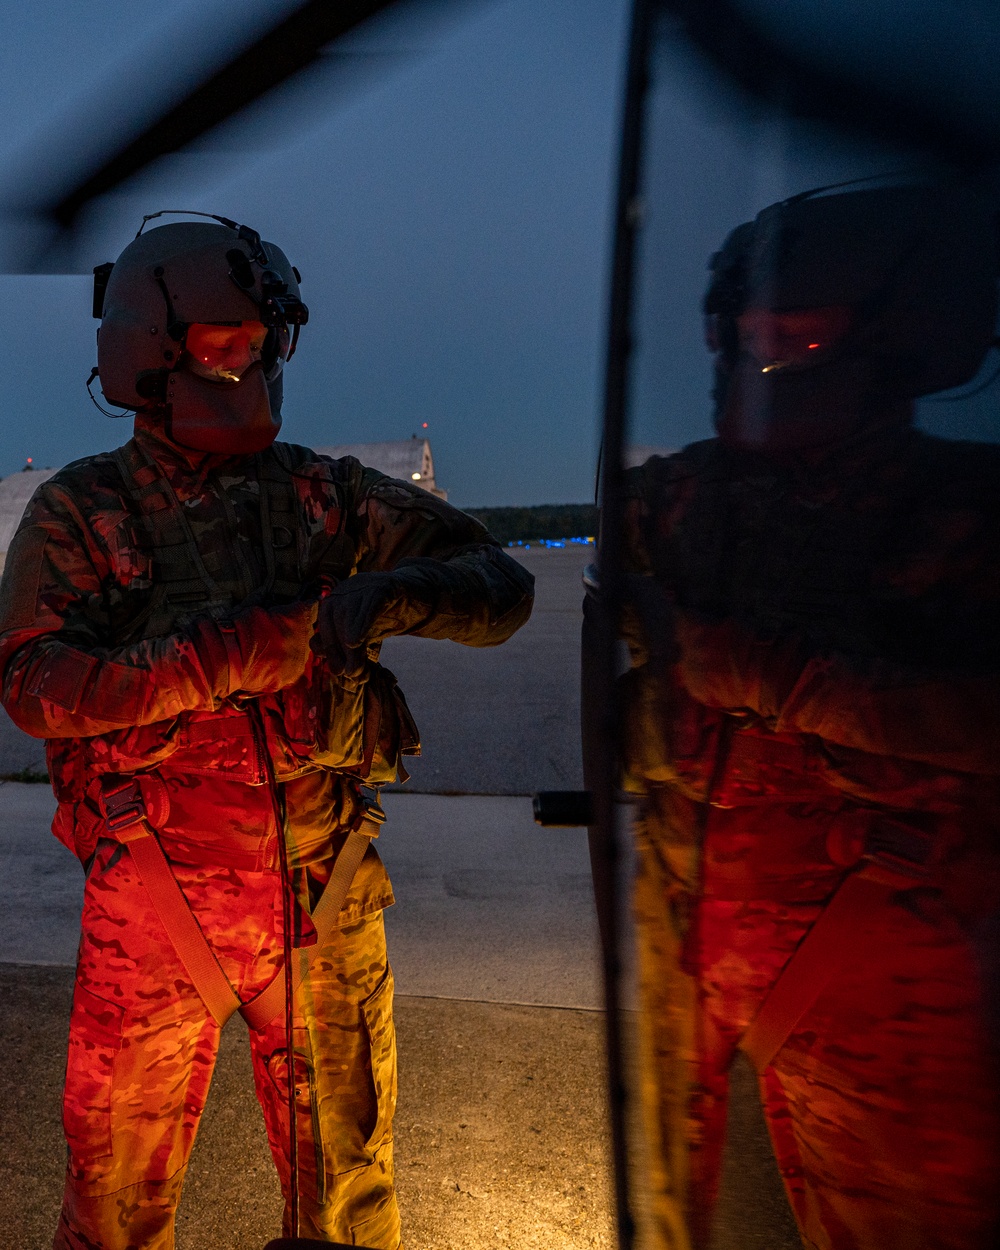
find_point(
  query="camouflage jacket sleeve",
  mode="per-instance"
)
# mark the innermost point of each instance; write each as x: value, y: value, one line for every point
x: 60, y: 679
x: 951, y: 721
x: 946, y: 719
x: 473, y: 591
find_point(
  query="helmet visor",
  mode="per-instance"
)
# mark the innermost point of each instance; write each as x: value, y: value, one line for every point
x: 796, y: 338
x: 225, y: 352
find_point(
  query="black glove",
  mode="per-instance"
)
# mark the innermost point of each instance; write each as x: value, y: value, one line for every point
x: 362, y: 610
x: 478, y: 597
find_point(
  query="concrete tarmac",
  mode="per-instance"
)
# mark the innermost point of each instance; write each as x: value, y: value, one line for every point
x: 490, y: 907
x: 501, y: 1137
x: 501, y: 1129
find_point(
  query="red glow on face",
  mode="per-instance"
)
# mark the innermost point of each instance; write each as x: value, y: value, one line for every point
x: 224, y: 353
x: 784, y: 338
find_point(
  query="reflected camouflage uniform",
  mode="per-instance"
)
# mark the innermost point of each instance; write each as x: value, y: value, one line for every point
x: 834, y: 673
x: 120, y: 560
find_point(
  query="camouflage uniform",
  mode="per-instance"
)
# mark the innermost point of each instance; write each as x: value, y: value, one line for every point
x: 121, y: 560
x: 834, y: 678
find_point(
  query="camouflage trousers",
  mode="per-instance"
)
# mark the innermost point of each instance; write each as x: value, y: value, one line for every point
x: 882, y: 1105
x: 142, y: 1049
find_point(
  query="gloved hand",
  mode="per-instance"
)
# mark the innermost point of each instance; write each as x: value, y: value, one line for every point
x: 363, y: 609
x: 478, y: 597
x: 726, y: 666
x: 257, y: 651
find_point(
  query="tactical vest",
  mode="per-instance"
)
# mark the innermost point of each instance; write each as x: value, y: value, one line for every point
x: 359, y: 726
x: 188, y: 580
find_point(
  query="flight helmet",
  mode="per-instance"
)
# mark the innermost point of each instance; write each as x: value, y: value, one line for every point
x: 829, y: 312
x: 197, y: 322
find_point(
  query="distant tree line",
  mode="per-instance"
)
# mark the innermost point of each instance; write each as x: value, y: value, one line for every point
x: 547, y: 520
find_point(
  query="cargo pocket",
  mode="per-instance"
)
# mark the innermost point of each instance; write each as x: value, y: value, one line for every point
x: 380, y: 1229
x: 95, y: 1038
x: 377, y: 1013
x: 390, y: 732
x: 306, y: 1108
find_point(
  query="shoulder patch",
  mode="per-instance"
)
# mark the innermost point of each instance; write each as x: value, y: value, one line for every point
x: 62, y: 676
x: 21, y: 578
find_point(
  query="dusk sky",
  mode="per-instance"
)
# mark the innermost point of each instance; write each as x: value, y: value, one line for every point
x: 445, y: 187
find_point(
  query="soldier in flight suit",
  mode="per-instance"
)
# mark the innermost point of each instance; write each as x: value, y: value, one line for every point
x: 815, y: 725
x: 192, y: 622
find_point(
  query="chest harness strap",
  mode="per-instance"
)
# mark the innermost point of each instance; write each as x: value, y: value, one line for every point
x: 124, y: 810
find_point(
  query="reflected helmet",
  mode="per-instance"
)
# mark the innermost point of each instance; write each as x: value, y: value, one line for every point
x: 828, y: 311
x: 197, y: 322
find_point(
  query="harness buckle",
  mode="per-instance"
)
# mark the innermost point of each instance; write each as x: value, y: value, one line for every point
x: 371, y: 810
x: 122, y: 805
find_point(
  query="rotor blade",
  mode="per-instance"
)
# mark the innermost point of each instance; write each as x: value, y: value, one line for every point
x: 747, y: 49
x: 285, y: 50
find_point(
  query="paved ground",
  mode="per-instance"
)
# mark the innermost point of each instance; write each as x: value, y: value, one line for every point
x: 501, y: 1125
x: 501, y: 1137
x: 18, y: 752
x: 491, y: 908
x: 499, y: 1131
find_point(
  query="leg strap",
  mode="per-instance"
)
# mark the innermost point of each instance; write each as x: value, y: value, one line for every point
x: 839, y: 936
x: 261, y: 1010
x: 124, y: 810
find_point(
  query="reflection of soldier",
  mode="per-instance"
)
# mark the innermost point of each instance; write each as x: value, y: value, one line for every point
x: 158, y: 607
x: 819, y: 744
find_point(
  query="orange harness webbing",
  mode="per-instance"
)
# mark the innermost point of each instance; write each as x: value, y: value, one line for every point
x: 840, y: 934
x: 124, y: 811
